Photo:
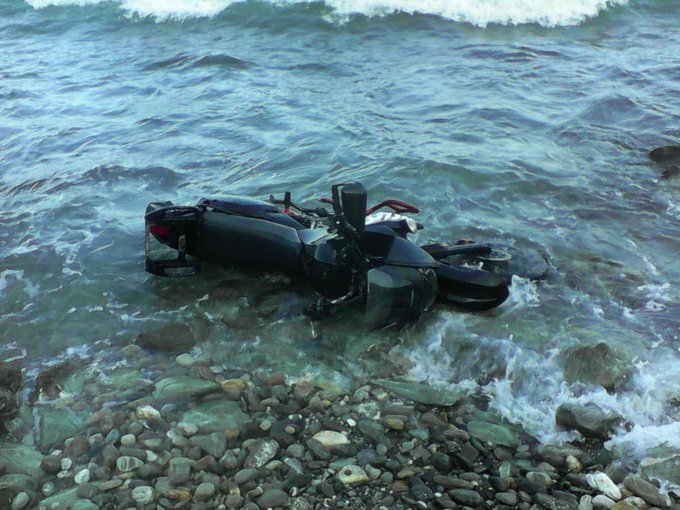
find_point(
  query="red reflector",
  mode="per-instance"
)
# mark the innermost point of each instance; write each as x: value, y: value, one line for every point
x: 160, y: 230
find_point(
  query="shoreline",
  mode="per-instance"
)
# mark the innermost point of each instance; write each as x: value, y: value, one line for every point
x: 206, y: 437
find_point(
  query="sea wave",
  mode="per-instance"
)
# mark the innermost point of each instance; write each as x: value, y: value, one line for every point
x: 547, y: 13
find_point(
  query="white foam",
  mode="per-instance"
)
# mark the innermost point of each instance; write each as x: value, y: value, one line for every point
x: 549, y: 13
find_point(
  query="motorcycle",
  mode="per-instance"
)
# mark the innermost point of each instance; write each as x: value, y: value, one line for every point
x: 350, y: 253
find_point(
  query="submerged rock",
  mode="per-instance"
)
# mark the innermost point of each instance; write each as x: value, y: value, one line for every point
x: 665, y: 154
x: 596, y: 364
x: 51, y: 380
x: 59, y: 424
x: 182, y: 386
x: 22, y: 459
x: 662, y: 466
x: 588, y: 419
x: 422, y: 393
x: 216, y: 415
x: 169, y: 338
x: 493, y: 433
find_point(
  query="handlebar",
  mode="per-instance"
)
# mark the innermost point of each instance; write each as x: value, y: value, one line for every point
x: 397, y: 206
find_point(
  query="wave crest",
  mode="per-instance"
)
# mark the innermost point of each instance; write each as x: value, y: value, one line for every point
x: 548, y: 13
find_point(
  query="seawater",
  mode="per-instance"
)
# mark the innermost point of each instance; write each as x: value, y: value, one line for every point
x: 521, y: 121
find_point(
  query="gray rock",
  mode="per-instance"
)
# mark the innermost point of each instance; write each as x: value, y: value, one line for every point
x: 273, y: 498
x: 143, y: 494
x: 261, y: 454
x: 179, y: 469
x: 245, y: 475
x: 204, y: 491
x: 168, y: 338
x: 466, y: 497
x: 647, y: 491
x: 181, y: 386
x: 662, y: 464
x: 20, y: 501
x: 50, y: 464
x: 84, y: 504
x: 597, y: 365
x: 422, y: 393
x: 493, y: 433
x: 62, y: 499
x: 507, y: 498
x: 588, y: 419
x: 213, y: 444
x: 216, y: 416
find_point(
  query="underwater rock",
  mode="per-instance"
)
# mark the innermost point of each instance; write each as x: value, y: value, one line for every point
x: 22, y: 459
x: 352, y: 474
x: 650, y: 493
x: 662, y: 465
x: 588, y: 419
x: 493, y: 433
x: 216, y: 416
x: 181, y: 386
x: 59, y: 424
x: 665, y: 154
x: 168, y: 338
x: 50, y: 380
x: 422, y: 393
x: 596, y: 364
x: 669, y: 157
x: 10, y: 377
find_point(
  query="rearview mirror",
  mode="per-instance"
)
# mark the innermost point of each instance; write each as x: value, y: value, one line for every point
x: 354, y: 199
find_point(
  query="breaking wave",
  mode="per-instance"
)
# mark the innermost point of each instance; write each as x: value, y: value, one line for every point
x: 547, y: 13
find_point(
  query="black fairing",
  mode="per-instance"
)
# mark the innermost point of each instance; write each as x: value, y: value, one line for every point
x: 226, y: 238
x: 251, y: 208
x: 384, y: 243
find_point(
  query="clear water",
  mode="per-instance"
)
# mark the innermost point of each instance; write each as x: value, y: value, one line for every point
x: 525, y: 121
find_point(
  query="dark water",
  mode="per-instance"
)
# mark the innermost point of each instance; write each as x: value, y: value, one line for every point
x: 534, y: 133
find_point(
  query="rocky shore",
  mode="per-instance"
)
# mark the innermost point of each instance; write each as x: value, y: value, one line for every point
x: 203, y: 436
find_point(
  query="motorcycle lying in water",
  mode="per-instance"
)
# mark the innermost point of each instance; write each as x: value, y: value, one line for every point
x: 350, y: 254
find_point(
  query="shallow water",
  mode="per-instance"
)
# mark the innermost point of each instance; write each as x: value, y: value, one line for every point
x: 519, y: 121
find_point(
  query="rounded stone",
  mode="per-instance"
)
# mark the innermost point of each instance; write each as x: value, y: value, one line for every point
x: 50, y: 465
x: 20, y: 501
x: 128, y: 440
x: 143, y: 495
x: 331, y: 438
x: 352, y: 474
x: 148, y: 413
x: 273, y: 498
x: 82, y: 476
x: 204, y: 491
x: 125, y: 464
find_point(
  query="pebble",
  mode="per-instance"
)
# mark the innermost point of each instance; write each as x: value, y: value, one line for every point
x: 602, y: 501
x: 148, y: 413
x: 204, y: 491
x: 466, y: 497
x: 179, y: 469
x: 185, y: 360
x: 20, y: 501
x: 261, y: 454
x: 66, y: 464
x: 126, y: 464
x: 352, y: 474
x: 330, y: 438
x: 128, y: 440
x: 143, y: 494
x: 604, y: 484
x: 507, y: 498
x: 48, y: 489
x: 50, y: 465
x: 273, y: 498
x: 82, y: 476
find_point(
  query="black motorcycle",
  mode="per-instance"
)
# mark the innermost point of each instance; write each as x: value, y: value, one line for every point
x: 349, y: 253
